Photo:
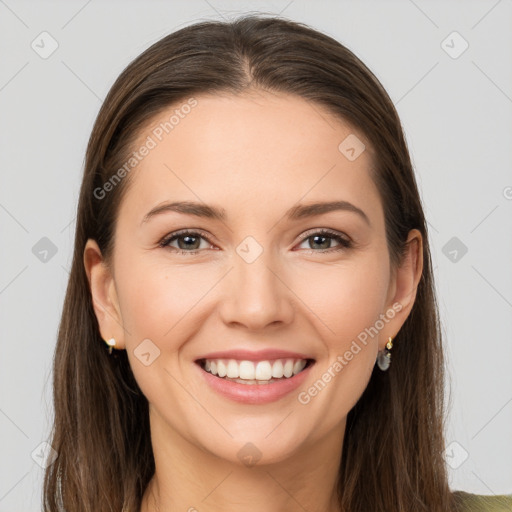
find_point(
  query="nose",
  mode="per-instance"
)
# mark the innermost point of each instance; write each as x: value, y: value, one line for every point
x: 256, y: 294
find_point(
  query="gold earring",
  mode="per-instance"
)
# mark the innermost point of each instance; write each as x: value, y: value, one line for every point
x: 384, y: 357
x: 111, y: 343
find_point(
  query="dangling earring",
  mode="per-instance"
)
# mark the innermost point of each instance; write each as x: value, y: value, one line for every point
x: 111, y: 343
x: 384, y: 357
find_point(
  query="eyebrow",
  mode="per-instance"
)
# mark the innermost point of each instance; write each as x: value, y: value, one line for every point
x: 297, y: 212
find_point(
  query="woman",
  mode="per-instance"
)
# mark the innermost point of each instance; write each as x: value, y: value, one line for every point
x: 252, y: 248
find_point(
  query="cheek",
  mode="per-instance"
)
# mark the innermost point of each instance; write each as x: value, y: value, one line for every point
x: 345, y: 298
x: 349, y: 301
x: 156, y: 298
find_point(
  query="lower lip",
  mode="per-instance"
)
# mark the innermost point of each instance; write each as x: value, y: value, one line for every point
x: 255, y: 393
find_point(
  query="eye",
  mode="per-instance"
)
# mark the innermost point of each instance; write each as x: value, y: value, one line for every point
x: 322, y: 239
x: 188, y: 241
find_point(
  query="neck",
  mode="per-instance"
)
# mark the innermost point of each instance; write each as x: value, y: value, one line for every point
x: 191, y: 479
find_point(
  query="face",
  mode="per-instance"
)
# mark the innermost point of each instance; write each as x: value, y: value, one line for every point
x: 266, y: 282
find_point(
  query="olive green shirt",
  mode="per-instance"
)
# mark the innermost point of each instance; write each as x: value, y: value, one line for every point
x: 482, y: 503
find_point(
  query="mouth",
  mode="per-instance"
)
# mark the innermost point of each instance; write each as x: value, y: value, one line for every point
x: 255, y: 372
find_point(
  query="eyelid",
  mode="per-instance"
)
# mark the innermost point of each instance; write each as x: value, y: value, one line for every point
x: 325, y: 231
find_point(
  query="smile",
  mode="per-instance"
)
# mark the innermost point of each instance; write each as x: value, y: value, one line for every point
x: 254, y: 372
x: 254, y: 382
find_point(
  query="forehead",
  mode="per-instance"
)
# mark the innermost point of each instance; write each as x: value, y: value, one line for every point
x: 260, y: 150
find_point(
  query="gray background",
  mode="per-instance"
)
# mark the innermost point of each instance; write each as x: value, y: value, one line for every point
x: 457, y: 116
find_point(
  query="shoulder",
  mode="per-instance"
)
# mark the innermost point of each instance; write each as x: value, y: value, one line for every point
x: 481, y: 503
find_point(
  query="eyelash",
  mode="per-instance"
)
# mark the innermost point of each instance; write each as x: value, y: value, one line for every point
x: 344, y: 243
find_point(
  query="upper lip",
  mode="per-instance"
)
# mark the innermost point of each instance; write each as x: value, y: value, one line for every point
x: 260, y: 355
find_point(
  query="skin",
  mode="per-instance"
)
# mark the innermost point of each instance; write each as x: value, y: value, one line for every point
x: 255, y: 155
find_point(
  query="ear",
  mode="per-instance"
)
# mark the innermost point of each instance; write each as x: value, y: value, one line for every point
x: 403, y: 286
x: 104, y: 295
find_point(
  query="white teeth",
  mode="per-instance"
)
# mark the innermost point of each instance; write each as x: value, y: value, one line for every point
x: 252, y: 381
x: 247, y: 370
x: 298, y: 366
x: 288, y: 368
x: 232, y: 369
x: 250, y: 371
x: 277, y: 369
x: 263, y: 370
x: 221, y: 369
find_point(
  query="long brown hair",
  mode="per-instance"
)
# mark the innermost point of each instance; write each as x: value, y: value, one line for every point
x: 394, y: 441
